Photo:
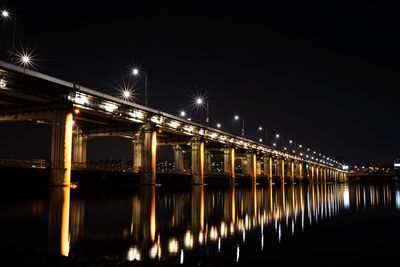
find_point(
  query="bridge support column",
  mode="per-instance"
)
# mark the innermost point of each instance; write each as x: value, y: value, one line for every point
x: 229, y: 162
x: 268, y: 167
x: 258, y: 168
x: 280, y: 169
x: 59, y: 221
x: 251, y: 165
x: 316, y: 175
x: 321, y: 174
x: 291, y: 171
x: 207, y: 161
x: 79, y: 149
x: 312, y: 173
x: 197, y: 161
x: 137, y: 150
x: 299, y: 171
x: 61, y: 148
x: 149, y: 155
x: 178, y: 158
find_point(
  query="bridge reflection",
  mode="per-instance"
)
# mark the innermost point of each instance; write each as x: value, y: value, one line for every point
x: 155, y: 223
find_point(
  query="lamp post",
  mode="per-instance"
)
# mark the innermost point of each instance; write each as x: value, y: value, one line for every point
x: 6, y: 15
x: 279, y: 136
x: 137, y: 72
x: 236, y: 117
x: 200, y: 102
x: 260, y: 128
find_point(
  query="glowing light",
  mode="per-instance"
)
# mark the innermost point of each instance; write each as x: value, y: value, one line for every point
x: 135, y: 71
x: 260, y: 128
x: 81, y: 100
x: 5, y: 13
x: 65, y: 245
x: 219, y: 244
x: 397, y: 194
x: 68, y: 148
x: 277, y: 135
x: 290, y: 141
x: 346, y: 198
x: 224, y: 229
x: 274, y: 144
x: 133, y: 254
x: 201, y: 238
x: 236, y: 117
x: 173, y: 246
x: 25, y: 59
x: 188, y: 240
x: 213, y: 233
x: 199, y: 101
x: 182, y: 113
x: 300, y: 146
x: 77, y: 111
x: 237, y: 252
x: 3, y: 81
x: 260, y: 140
x: 137, y: 114
x: 174, y: 124
x: 218, y: 125
x: 110, y: 107
x: 181, y: 257
x: 153, y: 251
x: 126, y: 94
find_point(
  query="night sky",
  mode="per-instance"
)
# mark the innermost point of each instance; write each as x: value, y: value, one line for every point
x: 322, y: 74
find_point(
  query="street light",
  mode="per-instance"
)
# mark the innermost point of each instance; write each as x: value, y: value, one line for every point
x: 6, y: 15
x: 218, y: 125
x: 200, y: 102
x: 182, y: 113
x: 260, y: 128
x: 136, y: 72
x: 278, y: 136
x: 236, y: 119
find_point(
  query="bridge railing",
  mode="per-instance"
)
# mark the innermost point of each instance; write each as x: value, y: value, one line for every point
x: 25, y: 163
x: 120, y: 167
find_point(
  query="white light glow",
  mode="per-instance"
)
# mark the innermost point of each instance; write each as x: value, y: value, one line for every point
x: 181, y: 257
x: 188, y: 240
x: 136, y: 114
x: 218, y: 125
x: 110, y: 107
x: 183, y: 113
x: 236, y: 117
x: 133, y: 254
x: 346, y: 198
x: 5, y: 13
x: 135, y: 71
x: 173, y: 246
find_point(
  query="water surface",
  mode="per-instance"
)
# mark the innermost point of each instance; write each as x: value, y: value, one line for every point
x: 319, y: 224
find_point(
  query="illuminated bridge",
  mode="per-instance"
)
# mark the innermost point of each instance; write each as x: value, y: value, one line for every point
x: 78, y: 114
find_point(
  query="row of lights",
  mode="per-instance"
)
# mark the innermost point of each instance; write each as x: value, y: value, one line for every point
x: 127, y: 94
x: 200, y: 101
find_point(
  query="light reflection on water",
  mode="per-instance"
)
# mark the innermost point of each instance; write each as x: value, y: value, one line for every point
x: 187, y: 224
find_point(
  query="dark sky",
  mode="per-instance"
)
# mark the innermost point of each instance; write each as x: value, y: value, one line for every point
x: 324, y: 74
